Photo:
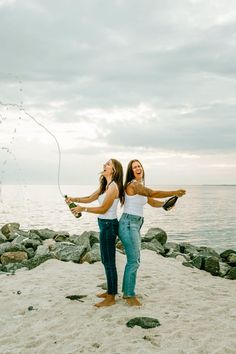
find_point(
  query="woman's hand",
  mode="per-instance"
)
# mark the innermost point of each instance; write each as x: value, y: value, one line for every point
x: 180, y: 192
x: 76, y: 210
x: 69, y: 200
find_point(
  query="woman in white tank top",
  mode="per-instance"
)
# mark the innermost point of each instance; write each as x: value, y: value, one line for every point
x: 136, y: 196
x: 108, y: 195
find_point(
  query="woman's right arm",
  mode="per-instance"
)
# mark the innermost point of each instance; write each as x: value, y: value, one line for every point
x: 139, y: 188
x: 91, y: 198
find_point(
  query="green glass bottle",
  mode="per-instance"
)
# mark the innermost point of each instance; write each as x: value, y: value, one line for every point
x: 73, y: 205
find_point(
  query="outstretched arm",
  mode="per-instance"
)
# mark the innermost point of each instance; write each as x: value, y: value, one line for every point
x: 111, y: 194
x: 138, y: 188
x: 91, y: 198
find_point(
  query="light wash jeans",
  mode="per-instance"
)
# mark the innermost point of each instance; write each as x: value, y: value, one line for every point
x: 129, y: 234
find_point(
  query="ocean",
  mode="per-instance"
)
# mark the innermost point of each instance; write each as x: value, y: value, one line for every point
x: 205, y: 216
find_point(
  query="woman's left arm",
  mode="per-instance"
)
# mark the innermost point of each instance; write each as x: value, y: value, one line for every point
x: 155, y: 203
x: 111, y: 195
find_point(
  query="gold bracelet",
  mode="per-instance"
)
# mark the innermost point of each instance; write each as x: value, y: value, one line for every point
x: 85, y: 209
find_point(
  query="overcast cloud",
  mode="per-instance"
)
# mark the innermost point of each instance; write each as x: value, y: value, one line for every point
x: 154, y: 80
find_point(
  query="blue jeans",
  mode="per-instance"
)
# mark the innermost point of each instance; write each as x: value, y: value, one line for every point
x: 108, y: 233
x: 129, y: 234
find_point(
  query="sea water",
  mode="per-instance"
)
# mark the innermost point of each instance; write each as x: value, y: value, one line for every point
x: 205, y: 216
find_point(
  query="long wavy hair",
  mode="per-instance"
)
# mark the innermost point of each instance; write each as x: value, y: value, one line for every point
x: 130, y: 173
x: 117, y: 177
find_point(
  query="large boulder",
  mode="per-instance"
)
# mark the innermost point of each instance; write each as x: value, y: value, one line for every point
x: 4, y: 247
x: 61, y: 236
x: 224, y: 255
x: 66, y: 251
x: 187, y: 248
x: 9, y: 229
x: 9, y: 247
x: 42, y: 250
x: 198, y: 262
x: 231, y: 274
x: 171, y: 247
x: 154, y: 245
x: 36, y: 261
x: 208, y: 252
x: 13, y: 257
x: 44, y: 234
x: 88, y: 238
x: 224, y: 268
x: 231, y: 260
x: 211, y: 265
x: 2, y: 238
x: 155, y: 233
x: 93, y: 255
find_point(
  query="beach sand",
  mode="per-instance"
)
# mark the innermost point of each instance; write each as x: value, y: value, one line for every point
x: 197, y: 311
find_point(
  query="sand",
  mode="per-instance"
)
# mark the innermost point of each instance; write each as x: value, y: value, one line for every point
x: 197, y: 311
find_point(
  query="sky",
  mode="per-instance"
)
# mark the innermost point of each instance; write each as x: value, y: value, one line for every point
x: 153, y: 80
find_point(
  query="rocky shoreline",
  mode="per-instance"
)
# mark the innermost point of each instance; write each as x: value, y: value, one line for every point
x: 28, y: 249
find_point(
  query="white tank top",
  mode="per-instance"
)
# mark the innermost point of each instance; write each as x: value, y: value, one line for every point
x: 112, y: 211
x: 134, y: 204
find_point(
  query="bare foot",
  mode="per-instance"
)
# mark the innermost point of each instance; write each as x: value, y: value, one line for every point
x: 104, y: 295
x: 108, y: 301
x: 133, y: 301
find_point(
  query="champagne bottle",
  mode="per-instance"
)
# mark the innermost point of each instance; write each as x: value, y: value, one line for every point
x: 170, y: 203
x: 73, y: 205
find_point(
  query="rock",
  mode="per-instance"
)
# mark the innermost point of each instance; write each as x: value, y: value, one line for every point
x: 224, y: 255
x: 42, y: 250
x: 4, y: 247
x: 18, y: 239
x: 61, y: 236
x: 155, y: 233
x: 188, y: 264
x: 171, y: 247
x: 13, y: 257
x: 208, y: 252
x: 30, y: 252
x: 212, y: 265
x: 82, y: 240
x: 12, y: 267
x: 2, y: 238
x: 36, y: 261
x: 187, y: 248
x: 68, y: 252
x: 93, y: 255
x: 224, y: 268
x: 144, y: 322
x: 231, y: 274
x: 120, y: 247
x: 88, y: 238
x: 231, y: 260
x: 49, y: 243
x: 10, y: 228
x: 198, y: 262
x: 31, y: 243
x: 44, y: 234
x: 180, y: 258
x: 154, y: 245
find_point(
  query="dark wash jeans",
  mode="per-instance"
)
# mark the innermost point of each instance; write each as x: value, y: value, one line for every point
x: 108, y: 233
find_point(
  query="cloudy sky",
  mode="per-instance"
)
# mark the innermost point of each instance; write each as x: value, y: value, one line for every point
x: 147, y: 79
